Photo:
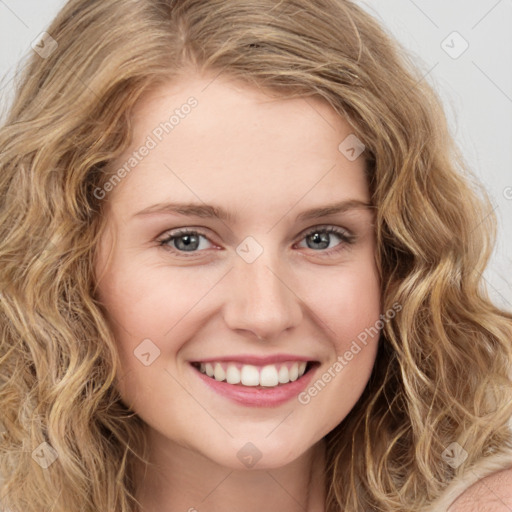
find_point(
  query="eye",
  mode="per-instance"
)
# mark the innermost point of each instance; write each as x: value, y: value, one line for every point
x: 319, y: 238
x: 183, y: 240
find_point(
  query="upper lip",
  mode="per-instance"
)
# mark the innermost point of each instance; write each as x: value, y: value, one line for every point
x: 255, y: 360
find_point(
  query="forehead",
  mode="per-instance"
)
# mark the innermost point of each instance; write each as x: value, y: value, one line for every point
x: 235, y: 144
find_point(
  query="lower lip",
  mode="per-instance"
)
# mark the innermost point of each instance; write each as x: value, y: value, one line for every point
x: 258, y: 396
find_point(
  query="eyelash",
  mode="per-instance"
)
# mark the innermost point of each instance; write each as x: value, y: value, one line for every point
x: 346, y: 239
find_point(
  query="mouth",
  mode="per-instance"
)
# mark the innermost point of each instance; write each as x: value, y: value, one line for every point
x: 255, y: 376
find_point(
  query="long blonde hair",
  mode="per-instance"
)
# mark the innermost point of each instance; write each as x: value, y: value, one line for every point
x: 442, y: 370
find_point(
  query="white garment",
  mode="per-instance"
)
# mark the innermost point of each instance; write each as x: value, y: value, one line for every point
x: 485, y: 467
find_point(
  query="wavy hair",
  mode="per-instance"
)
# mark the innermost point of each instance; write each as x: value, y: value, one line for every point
x: 442, y: 369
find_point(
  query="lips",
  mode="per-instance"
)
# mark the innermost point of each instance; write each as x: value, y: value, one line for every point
x: 255, y: 360
x: 255, y: 371
x: 256, y: 381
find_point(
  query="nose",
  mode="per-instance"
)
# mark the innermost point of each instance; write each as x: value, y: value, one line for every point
x: 262, y: 298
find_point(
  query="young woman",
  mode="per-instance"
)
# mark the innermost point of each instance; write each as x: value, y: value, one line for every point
x: 241, y: 269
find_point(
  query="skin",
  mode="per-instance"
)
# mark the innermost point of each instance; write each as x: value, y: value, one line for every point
x: 266, y: 160
x: 493, y: 493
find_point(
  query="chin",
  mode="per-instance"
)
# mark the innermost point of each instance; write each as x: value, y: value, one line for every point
x: 261, y: 453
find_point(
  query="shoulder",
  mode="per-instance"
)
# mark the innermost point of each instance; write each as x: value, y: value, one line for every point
x: 490, y: 494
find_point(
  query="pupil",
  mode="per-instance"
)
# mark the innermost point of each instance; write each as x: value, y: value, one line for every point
x: 190, y: 242
x: 322, y: 238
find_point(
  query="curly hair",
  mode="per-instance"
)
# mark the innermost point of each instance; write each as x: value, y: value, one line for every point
x: 442, y: 372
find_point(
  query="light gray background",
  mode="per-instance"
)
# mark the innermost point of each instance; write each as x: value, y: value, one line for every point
x: 476, y: 86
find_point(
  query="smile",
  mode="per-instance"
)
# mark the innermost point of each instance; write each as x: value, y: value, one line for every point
x: 270, y: 375
x: 252, y: 381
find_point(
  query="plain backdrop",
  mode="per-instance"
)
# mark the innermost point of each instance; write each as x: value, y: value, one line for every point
x: 463, y: 48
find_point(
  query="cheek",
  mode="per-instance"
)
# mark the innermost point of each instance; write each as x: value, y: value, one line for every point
x: 144, y: 301
x: 151, y: 314
x: 349, y: 309
x: 348, y: 302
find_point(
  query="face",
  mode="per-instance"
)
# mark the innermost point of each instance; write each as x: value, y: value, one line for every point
x: 225, y: 253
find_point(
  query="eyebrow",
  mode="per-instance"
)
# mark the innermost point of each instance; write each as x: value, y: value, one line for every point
x: 207, y: 211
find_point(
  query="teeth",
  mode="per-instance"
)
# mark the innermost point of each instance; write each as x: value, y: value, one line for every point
x: 219, y: 373
x: 270, y: 375
x: 232, y: 374
x: 283, y: 375
x: 209, y: 369
x: 249, y: 376
x: 294, y: 372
